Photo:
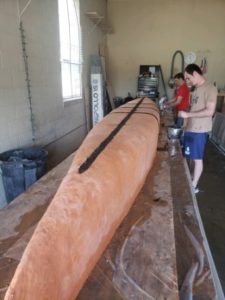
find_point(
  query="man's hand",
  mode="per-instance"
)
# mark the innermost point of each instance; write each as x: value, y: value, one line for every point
x: 206, y: 112
x: 183, y: 114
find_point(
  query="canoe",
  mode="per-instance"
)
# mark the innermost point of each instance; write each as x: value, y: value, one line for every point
x: 105, y: 177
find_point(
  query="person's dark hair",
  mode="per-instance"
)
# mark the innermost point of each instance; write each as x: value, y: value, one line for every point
x: 179, y: 76
x: 190, y: 69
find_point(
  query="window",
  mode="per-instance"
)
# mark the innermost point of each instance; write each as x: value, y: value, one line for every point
x: 70, y: 49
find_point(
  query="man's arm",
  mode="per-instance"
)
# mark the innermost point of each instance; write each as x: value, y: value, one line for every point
x: 174, y: 101
x: 206, y: 112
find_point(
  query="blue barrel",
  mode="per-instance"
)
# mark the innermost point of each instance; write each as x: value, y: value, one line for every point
x: 21, y: 168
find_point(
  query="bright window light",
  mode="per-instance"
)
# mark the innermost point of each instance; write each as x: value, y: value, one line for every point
x: 70, y: 49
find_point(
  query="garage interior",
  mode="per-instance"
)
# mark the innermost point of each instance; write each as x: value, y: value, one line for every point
x: 39, y: 109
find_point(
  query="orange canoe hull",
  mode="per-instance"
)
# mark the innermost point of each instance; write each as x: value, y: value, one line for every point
x: 88, y: 207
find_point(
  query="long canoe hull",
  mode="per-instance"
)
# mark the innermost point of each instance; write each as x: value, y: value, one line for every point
x: 88, y: 206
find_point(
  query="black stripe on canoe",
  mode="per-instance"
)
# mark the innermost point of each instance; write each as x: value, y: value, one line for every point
x: 91, y: 158
x: 137, y: 112
x: 142, y: 106
x: 151, y: 108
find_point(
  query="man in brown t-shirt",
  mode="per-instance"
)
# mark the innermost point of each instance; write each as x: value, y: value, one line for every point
x: 199, y: 119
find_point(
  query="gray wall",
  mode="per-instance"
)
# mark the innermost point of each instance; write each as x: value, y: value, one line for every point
x: 59, y: 127
x: 148, y: 32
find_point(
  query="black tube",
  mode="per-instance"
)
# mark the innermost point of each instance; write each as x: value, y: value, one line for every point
x: 173, y: 59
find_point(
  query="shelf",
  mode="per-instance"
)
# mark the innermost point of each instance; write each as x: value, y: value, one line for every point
x: 99, y: 21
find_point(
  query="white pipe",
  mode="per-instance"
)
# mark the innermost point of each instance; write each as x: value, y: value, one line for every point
x: 28, y: 3
x: 18, y: 10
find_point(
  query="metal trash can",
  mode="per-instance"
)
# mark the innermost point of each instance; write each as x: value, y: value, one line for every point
x: 20, y: 168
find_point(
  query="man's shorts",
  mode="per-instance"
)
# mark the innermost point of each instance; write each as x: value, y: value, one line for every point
x: 194, y: 144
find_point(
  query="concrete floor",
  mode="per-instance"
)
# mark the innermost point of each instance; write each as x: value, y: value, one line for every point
x: 211, y: 203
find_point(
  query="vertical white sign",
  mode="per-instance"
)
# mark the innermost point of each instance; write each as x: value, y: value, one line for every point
x: 97, y: 98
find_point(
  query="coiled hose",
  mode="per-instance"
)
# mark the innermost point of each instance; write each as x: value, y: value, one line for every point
x: 171, y: 81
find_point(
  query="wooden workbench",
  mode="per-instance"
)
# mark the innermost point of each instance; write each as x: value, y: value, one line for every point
x: 158, y: 252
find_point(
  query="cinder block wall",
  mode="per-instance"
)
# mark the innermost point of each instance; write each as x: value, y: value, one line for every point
x: 15, y: 127
x: 57, y: 126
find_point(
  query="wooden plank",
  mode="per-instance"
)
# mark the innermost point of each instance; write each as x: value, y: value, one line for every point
x: 194, y: 273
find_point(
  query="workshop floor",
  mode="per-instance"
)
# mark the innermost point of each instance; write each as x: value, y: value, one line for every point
x: 211, y: 203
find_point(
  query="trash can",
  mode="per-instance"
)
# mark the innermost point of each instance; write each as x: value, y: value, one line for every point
x: 118, y: 101
x: 20, y: 168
